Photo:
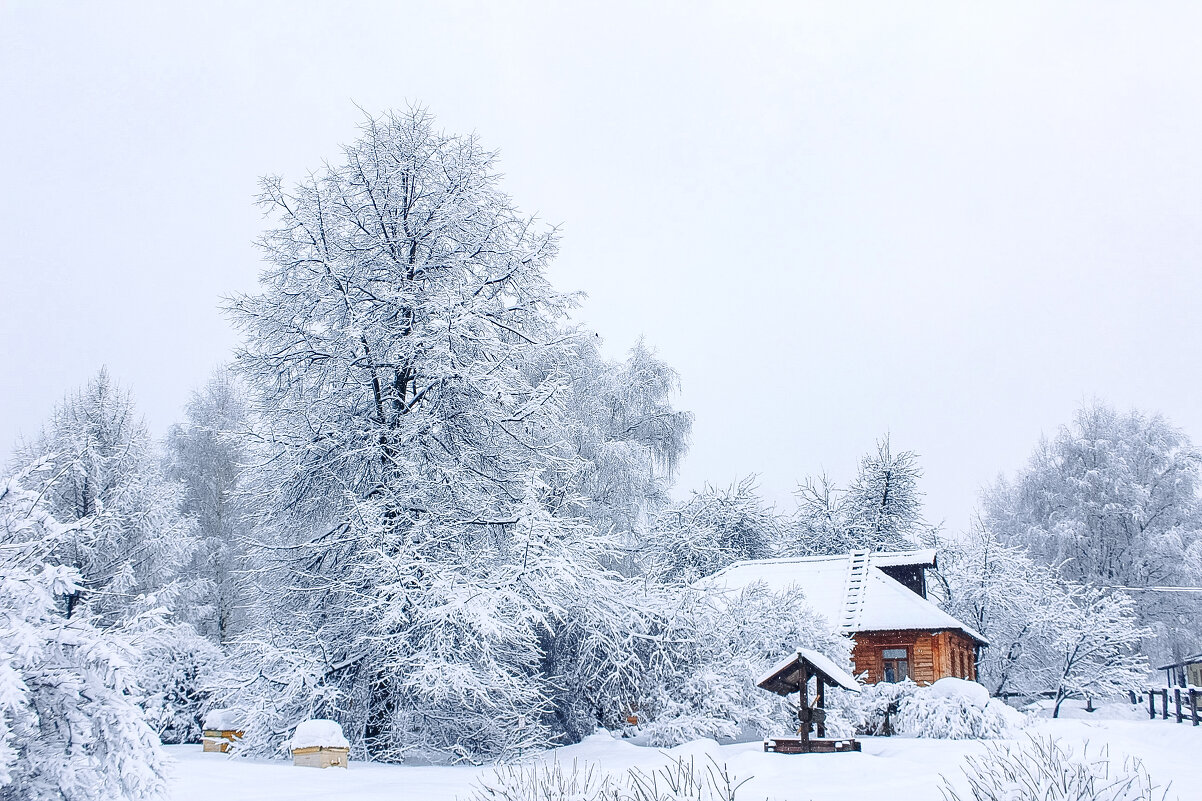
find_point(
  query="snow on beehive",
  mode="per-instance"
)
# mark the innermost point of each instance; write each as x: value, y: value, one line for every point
x: 223, y: 720
x: 318, y: 733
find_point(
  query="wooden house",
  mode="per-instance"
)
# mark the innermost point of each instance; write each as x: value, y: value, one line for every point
x: 880, y: 601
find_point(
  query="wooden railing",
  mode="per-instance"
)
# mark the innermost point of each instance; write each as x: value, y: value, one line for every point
x: 1188, y: 698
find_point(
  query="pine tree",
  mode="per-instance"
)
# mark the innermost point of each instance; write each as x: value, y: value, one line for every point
x: 69, y: 726
x: 102, y: 467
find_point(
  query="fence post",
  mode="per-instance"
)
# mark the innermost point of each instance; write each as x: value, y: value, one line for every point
x: 1193, y: 705
x: 1151, y: 705
x: 1164, y: 704
x: 1131, y: 695
x: 1177, y: 702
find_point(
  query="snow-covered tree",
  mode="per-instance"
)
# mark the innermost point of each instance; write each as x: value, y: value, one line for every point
x: 626, y: 432
x: 1021, y: 606
x: 883, y: 506
x: 711, y: 530
x: 101, y: 466
x: 69, y: 726
x: 1113, y: 499
x: 207, y: 455
x: 1046, y: 634
x: 819, y: 524
x: 881, y: 510
x: 430, y: 568
x: 1096, y: 654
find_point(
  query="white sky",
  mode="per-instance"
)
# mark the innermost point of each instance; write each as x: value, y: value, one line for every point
x: 948, y: 222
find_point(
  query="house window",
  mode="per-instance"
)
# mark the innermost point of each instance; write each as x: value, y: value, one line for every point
x: 896, y: 662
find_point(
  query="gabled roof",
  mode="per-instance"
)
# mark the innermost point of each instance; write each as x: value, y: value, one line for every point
x: 785, y: 677
x: 858, y: 599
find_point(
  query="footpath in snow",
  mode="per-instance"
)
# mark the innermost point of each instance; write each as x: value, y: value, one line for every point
x: 889, y: 767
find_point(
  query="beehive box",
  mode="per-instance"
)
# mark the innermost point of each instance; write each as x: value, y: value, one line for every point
x: 319, y: 757
x: 221, y: 727
x: 319, y: 744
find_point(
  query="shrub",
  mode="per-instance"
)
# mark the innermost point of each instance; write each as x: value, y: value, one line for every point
x: 1045, y: 770
x: 949, y: 709
x: 680, y: 780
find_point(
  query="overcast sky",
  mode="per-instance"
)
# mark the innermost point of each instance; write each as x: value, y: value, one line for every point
x: 946, y: 222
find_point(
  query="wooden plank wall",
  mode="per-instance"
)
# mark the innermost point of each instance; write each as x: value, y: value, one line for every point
x: 933, y: 656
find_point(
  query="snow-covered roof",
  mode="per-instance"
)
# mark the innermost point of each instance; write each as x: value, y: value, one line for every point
x: 926, y: 557
x: 883, y: 604
x: 821, y: 663
x: 1189, y: 660
x: 318, y: 733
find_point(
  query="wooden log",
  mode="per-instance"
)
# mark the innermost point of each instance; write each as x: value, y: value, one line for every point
x: 1151, y: 705
x: 1164, y: 704
x: 1177, y: 702
x: 1193, y: 705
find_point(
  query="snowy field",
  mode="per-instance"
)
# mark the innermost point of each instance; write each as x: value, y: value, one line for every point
x: 896, y: 767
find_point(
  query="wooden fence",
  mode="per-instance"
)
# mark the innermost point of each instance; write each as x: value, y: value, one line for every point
x: 1187, y: 698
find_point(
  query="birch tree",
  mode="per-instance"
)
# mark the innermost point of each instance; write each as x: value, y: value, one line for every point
x: 206, y: 456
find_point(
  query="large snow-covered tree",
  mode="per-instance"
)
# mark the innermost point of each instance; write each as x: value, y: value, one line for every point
x: 1046, y: 633
x: 435, y: 553
x: 102, y: 466
x: 69, y: 725
x: 1113, y: 499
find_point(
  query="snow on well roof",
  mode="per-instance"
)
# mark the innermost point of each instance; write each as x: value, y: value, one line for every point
x: 820, y: 661
x: 886, y: 604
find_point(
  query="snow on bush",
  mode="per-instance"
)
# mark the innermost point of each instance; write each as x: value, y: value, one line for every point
x: 318, y: 733
x: 949, y: 709
x: 176, y: 664
x: 681, y: 780
x: 1045, y: 770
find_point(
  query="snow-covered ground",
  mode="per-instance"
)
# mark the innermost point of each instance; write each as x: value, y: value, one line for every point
x: 896, y: 767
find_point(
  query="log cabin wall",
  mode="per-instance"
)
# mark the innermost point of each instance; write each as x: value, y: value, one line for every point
x: 930, y: 655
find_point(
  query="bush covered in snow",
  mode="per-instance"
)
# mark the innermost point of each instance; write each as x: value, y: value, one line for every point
x: 1045, y: 770
x: 949, y: 709
x: 175, y: 666
x: 681, y: 780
